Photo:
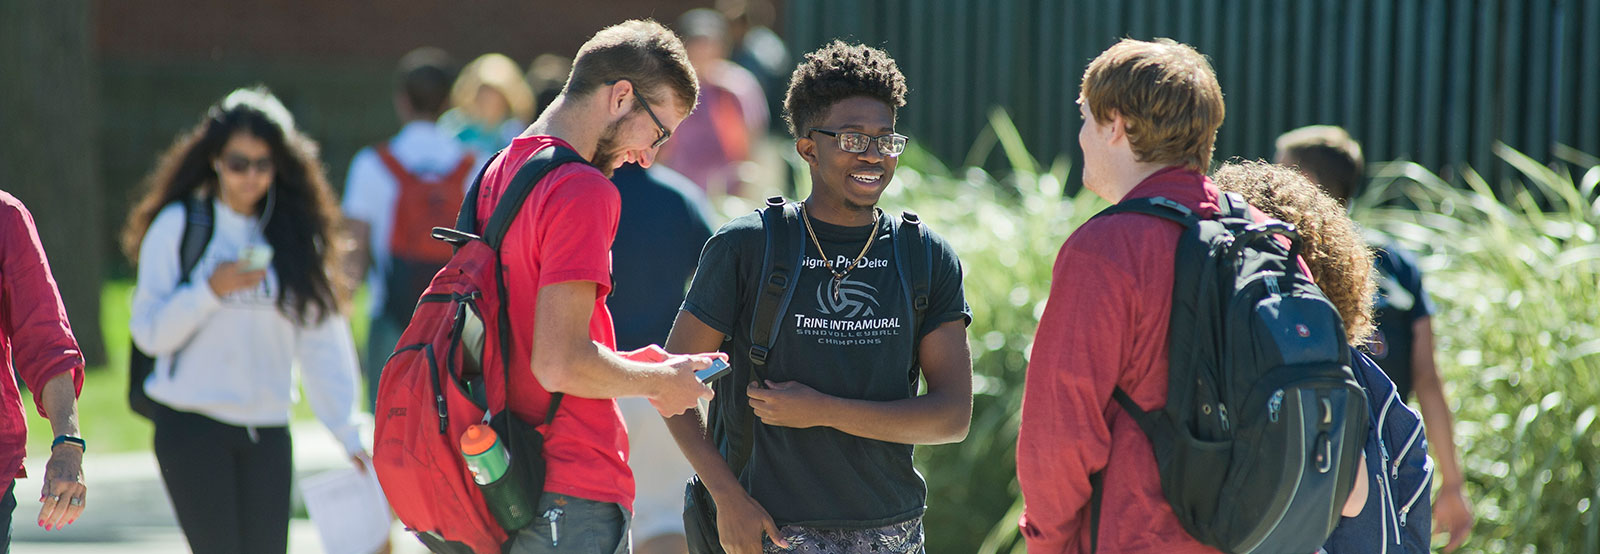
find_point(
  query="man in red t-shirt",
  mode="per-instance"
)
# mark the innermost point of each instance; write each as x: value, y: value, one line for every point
x: 631, y: 84
x: 1150, y: 115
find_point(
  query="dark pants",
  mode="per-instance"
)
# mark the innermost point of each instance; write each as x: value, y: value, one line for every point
x: 229, y: 485
x: 382, y: 334
x: 8, y: 504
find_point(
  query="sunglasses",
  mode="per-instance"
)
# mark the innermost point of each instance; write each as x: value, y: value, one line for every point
x: 235, y: 163
x: 661, y: 129
x: 890, y: 145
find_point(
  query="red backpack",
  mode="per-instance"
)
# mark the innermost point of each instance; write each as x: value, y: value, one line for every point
x: 441, y: 376
x: 421, y: 205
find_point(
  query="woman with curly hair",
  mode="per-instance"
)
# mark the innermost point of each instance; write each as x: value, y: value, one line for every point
x: 1339, y: 259
x: 226, y: 335
x: 1342, y: 265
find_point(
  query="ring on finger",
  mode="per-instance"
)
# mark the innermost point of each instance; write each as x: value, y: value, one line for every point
x: 55, y: 497
x: 76, y: 501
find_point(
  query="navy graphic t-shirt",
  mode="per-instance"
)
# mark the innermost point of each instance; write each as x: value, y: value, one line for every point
x: 857, y: 345
x: 1401, y: 302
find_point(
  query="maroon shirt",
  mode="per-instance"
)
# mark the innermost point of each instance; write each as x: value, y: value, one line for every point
x: 1105, y: 326
x: 36, y: 341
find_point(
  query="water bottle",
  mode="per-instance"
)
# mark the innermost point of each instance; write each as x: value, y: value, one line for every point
x: 503, y: 491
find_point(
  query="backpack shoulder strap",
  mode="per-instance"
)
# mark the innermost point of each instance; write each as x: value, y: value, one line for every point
x: 505, y: 210
x: 526, y: 178
x: 1158, y: 206
x: 913, y: 258
x: 393, y: 164
x: 467, y: 217
x: 463, y: 168
x: 913, y: 251
x: 919, y: 253
x: 780, y: 265
x: 199, y: 219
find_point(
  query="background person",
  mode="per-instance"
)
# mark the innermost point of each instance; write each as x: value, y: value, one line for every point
x: 1402, y: 344
x: 227, y: 336
x: 659, y: 235
x: 490, y: 103
x: 395, y: 193
x: 732, y: 114
x: 37, y: 347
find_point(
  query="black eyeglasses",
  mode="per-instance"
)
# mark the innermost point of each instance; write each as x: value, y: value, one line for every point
x: 665, y: 132
x: 890, y: 145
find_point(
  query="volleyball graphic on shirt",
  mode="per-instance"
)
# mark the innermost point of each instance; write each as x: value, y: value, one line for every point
x: 855, y: 299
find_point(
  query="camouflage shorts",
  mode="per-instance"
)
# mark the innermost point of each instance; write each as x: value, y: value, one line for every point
x: 899, y: 538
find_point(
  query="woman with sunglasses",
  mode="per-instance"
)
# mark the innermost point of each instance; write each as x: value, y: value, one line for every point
x: 225, y: 335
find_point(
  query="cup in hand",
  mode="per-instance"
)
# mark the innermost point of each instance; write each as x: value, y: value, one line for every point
x: 255, y: 257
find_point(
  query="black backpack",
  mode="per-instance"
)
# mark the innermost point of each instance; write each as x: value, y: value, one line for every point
x: 731, y: 424
x: 1259, y: 443
x: 199, y: 218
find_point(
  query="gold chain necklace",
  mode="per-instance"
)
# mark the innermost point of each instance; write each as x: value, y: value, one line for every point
x: 839, y: 274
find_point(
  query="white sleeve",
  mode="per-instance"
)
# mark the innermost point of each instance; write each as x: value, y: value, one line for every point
x: 327, y: 357
x: 360, y: 186
x: 166, y: 315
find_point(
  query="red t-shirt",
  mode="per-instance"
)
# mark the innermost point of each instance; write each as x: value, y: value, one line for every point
x: 1105, y: 326
x: 563, y: 233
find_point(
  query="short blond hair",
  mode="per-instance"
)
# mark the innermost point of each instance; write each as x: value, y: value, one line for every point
x: 1167, y: 94
x: 1339, y: 259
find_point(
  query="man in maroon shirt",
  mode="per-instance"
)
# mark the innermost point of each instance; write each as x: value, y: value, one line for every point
x: 36, y: 344
x: 1150, y: 116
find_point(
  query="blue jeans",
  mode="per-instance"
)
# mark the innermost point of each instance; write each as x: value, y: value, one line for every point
x: 571, y: 525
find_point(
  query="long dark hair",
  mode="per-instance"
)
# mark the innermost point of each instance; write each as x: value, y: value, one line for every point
x: 300, y: 229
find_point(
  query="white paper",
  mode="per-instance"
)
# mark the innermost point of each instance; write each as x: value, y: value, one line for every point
x: 349, y: 510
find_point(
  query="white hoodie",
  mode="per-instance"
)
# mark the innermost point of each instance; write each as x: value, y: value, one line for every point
x: 232, y: 358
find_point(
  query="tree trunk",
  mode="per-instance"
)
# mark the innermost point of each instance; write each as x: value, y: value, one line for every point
x: 49, y: 148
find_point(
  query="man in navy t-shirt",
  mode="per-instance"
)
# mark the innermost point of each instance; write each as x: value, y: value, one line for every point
x: 1403, y: 342
x: 835, y: 405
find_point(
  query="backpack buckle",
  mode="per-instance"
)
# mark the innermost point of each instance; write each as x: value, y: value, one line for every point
x: 775, y: 201
x: 920, y: 303
x: 758, y: 354
x: 778, y: 282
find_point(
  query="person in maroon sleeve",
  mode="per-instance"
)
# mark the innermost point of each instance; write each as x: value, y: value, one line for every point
x: 36, y: 344
x: 631, y: 85
x: 1150, y: 115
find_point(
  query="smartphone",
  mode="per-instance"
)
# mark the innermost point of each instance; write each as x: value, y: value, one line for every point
x: 717, y: 370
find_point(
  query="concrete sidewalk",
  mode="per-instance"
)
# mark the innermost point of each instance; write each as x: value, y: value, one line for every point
x: 129, y: 511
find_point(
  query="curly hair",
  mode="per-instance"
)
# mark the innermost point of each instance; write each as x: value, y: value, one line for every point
x: 301, y: 227
x: 1340, y: 260
x: 836, y: 72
